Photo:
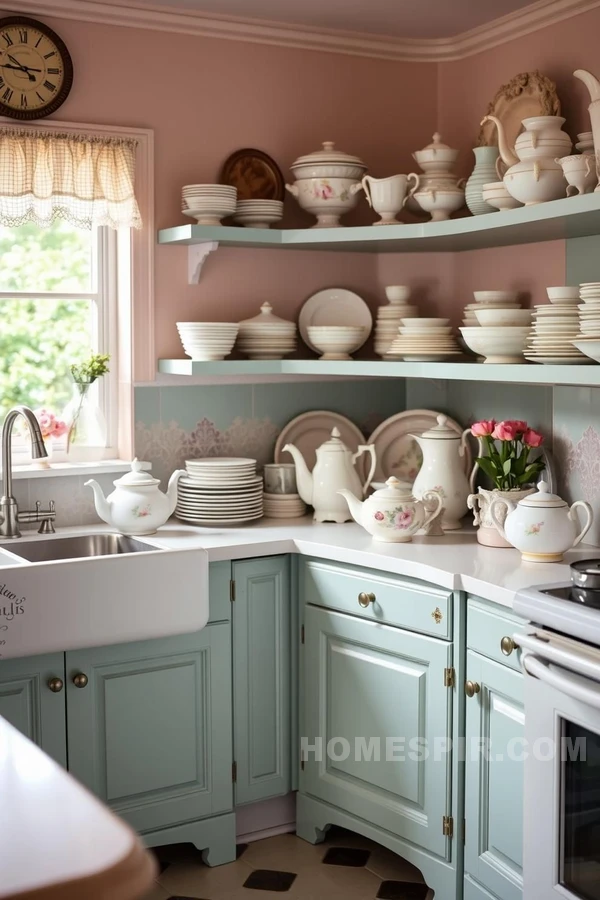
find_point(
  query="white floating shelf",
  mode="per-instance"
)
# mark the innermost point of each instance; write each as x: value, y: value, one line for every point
x: 559, y: 219
x: 587, y: 375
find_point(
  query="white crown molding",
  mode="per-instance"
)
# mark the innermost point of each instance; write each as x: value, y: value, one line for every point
x: 136, y: 14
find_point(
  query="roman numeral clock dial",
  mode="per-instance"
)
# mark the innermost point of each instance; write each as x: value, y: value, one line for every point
x: 36, y: 72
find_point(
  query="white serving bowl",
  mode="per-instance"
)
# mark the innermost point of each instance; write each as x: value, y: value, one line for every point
x: 439, y: 202
x: 503, y: 317
x: 425, y: 322
x: 497, y: 345
x: 337, y: 342
x: 589, y: 348
x: 563, y: 293
x: 495, y: 296
x: 532, y: 186
x: 397, y: 293
x: 496, y: 194
x: 502, y: 203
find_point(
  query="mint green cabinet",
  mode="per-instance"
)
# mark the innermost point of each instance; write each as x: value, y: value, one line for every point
x: 372, y: 694
x: 28, y: 703
x: 262, y: 678
x: 494, y: 780
x: 150, y: 732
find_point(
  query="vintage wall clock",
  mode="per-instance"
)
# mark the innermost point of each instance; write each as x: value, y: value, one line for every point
x: 36, y: 72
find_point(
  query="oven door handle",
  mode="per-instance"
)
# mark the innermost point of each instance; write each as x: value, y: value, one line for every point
x: 581, y: 664
x: 573, y: 685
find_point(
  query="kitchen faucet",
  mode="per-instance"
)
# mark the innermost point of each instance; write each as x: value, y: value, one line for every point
x: 9, y: 510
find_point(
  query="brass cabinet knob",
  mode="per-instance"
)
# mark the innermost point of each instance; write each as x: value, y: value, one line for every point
x: 56, y: 685
x: 507, y: 645
x: 80, y: 680
x: 366, y: 599
x: 472, y: 688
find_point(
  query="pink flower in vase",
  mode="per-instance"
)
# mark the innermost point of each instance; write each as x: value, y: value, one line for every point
x: 533, y: 438
x: 403, y: 519
x: 505, y: 431
x: 483, y: 428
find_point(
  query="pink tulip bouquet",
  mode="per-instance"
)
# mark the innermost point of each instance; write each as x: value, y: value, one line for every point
x: 509, y: 445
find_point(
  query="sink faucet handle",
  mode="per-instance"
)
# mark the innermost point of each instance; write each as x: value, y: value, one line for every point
x: 38, y: 505
x: 51, y: 506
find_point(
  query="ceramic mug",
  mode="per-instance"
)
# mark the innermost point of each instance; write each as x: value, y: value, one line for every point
x: 280, y: 478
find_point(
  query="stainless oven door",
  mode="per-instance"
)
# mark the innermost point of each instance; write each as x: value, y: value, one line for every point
x: 561, y: 845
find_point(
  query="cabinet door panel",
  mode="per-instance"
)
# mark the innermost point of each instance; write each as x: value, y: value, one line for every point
x: 494, y: 778
x: 150, y: 734
x: 378, y: 690
x: 27, y: 702
x: 261, y: 667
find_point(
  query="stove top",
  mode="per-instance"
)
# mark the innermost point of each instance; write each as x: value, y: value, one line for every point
x: 562, y: 607
x: 575, y: 595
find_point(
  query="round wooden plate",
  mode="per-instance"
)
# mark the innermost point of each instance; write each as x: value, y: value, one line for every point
x: 255, y: 175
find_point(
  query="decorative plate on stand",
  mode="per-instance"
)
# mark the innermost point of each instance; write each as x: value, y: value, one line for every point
x: 527, y: 94
x: 255, y: 175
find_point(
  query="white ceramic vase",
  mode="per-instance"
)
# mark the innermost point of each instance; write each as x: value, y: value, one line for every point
x: 480, y: 503
x: 483, y: 173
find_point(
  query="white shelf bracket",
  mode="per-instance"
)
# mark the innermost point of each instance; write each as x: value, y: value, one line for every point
x: 197, y: 254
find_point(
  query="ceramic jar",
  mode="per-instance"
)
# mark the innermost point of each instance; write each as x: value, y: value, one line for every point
x: 266, y: 336
x: 392, y: 514
x: 483, y: 173
x: 326, y: 183
x: 541, y: 526
x: 480, y: 503
x: 443, y: 470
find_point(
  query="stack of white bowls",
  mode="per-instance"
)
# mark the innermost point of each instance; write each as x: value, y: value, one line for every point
x: 258, y: 213
x: 205, y: 341
x: 337, y: 341
x: 495, y: 327
x: 266, y: 336
x: 555, y: 327
x: 424, y: 340
x: 496, y: 194
x: 389, y: 317
x: 489, y: 300
x: 208, y: 203
x: 219, y: 491
x: 283, y: 506
x: 588, y: 339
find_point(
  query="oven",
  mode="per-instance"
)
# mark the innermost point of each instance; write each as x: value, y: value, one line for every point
x: 561, y: 851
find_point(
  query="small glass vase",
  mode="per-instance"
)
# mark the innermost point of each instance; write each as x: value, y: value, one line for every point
x: 87, y: 425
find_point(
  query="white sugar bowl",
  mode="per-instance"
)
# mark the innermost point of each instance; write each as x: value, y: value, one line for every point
x: 392, y: 514
x: 542, y: 525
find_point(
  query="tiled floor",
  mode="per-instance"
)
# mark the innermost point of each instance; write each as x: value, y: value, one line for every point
x: 346, y: 866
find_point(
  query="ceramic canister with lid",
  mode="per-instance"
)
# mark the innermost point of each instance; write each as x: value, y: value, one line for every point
x: 266, y: 336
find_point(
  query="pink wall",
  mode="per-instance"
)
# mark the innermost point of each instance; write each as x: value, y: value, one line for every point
x: 205, y: 98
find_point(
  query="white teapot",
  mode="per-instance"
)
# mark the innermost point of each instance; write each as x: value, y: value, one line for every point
x: 443, y: 470
x: 542, y: 526
x: 392, y: 514
x: 136, y: 506
x: 334, y: 471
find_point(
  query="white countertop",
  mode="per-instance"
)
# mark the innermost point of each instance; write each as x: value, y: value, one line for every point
x: 57, y: 841
x: 455, y: 560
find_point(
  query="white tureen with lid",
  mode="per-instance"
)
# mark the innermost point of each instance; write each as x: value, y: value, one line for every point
x: 542, y: 525
x: 326, y: 183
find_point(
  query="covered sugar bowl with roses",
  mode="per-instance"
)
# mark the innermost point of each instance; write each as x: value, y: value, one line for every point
x: 327, y: 182
x: 392, y: 514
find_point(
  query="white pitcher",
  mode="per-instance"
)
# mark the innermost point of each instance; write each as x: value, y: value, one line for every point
x: 387, y: 196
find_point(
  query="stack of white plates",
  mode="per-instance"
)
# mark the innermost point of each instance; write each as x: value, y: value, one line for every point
x: 555, y: 327
x: 389, y: 317
x: 283, y: 506
x: 208, y: 203
x: 424, y: 340
x: 267, y: 336
x: 258, y: 213
x: 220, y: 491
x: 588, y: 339
x: 207, y: 340
x: 489, y: 300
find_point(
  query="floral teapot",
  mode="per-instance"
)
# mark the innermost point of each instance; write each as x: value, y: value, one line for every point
x: 334, y: 471
x: 443, y: 470
x: 392, y: 514
x: 136, y: 506
x: 542, y: 526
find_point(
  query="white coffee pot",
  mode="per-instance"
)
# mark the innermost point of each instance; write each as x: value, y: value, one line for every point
x: 542, y: 526
x: 136, y: 506
x: 333, y: 472
x: 443, y: 470
x: 392, y: 514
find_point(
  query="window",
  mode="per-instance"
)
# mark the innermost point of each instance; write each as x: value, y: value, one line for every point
x: 57, y: 305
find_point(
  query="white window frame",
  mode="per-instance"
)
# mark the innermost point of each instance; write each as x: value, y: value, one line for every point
x: 132, y: 325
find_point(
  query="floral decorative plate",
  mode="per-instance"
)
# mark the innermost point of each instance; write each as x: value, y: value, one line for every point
x: 397, y: 453
x: 255, y: 175
x: 527, y: 94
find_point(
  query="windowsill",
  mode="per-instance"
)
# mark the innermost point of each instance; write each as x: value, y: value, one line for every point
x: 58, y: 469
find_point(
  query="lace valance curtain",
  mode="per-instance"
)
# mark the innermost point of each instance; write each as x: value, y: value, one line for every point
x: 86, y: 180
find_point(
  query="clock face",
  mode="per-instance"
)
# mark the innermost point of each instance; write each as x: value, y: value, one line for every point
x: 36, y: 71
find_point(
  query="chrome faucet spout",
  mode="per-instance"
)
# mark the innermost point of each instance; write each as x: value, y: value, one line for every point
x: 9, y: 511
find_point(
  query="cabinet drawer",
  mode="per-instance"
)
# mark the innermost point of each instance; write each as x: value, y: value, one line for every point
x: 410, y: 604
x: 486, y: 627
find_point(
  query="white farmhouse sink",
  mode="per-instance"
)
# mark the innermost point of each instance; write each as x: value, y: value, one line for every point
x: 65, y: 593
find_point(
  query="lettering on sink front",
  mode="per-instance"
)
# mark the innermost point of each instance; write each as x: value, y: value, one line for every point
x: 10, y: 606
